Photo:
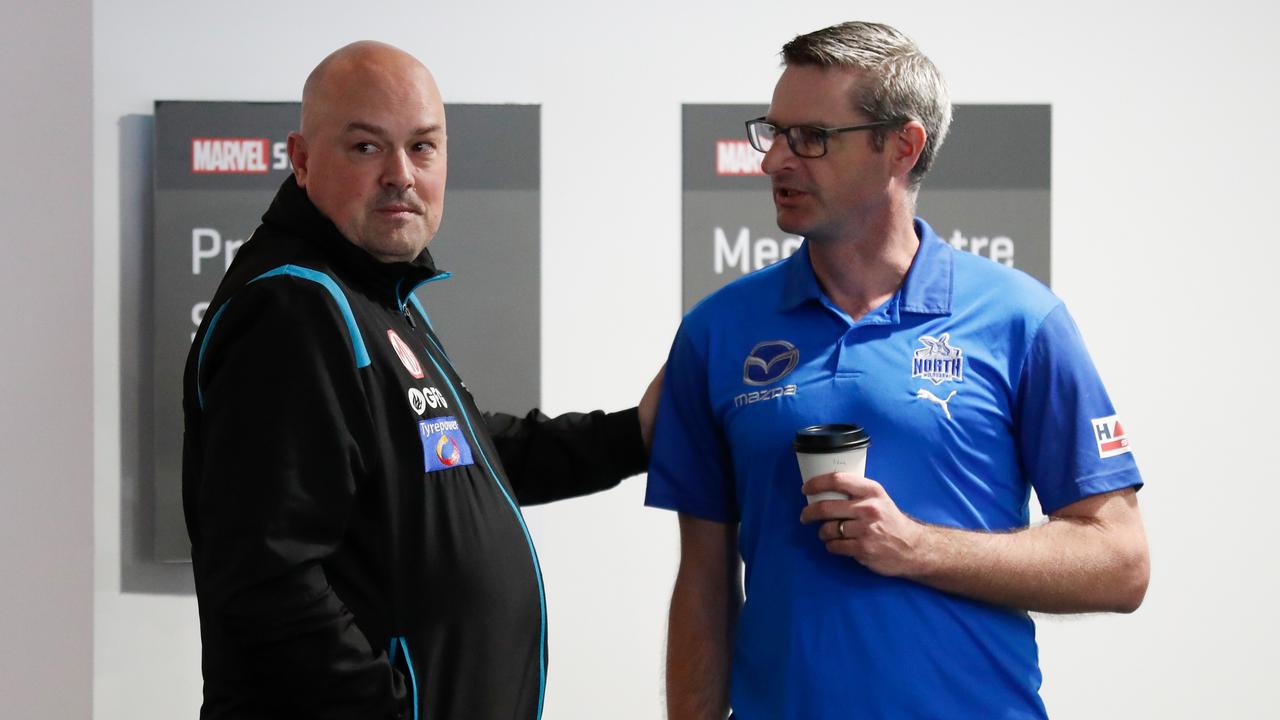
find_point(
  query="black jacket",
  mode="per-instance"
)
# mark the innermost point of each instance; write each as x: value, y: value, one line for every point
x: 353, y: 516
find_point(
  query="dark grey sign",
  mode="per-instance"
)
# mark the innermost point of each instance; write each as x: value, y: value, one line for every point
x: 217, y: 166
x: 988, y: 193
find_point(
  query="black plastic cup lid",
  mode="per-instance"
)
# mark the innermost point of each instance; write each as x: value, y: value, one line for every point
x: 830, y: 438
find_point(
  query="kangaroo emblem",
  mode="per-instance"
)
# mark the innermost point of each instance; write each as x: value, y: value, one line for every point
x: 926, y: 395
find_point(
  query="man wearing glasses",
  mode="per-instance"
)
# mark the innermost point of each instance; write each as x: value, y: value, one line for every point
x: 910, y: 598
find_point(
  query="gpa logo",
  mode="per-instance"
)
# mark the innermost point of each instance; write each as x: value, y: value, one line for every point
x: 406, y: 355
x: 1110, y: 436
x: 435, y: 398
x: 230, y: 155
x: 769, y: 362
x: 431, y: 397
x: 737, y: 157
x: 937, y: 361
x: 417, y: 401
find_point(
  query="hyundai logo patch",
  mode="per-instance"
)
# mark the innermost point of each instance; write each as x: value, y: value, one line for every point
x: 405, y: 354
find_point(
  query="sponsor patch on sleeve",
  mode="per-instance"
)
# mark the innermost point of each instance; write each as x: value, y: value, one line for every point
x: 1110, y: 436
x: 443, y: 444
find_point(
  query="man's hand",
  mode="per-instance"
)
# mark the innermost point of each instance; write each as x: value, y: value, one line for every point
x: 1090, y: 556
x: 867, y: 527
x: 649, y: 407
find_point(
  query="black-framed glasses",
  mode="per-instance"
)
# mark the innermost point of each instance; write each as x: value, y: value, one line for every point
x: 806, y: 141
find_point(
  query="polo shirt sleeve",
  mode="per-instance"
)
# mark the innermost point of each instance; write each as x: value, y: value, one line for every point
x: 1070, y: 441
x: 689, y: 467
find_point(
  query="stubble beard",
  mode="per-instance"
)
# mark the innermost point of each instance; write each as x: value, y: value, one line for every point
x: 401, y: 242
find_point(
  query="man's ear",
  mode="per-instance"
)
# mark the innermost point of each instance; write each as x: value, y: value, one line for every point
x: 297, y: 148
x: 905, y: 146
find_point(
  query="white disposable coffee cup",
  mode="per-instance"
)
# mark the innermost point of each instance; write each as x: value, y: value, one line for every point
x: 823, y: 449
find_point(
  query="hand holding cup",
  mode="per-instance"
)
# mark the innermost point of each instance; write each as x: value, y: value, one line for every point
x: 823, y: 449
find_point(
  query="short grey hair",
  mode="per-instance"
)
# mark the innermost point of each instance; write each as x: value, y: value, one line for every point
x: 901, y: 82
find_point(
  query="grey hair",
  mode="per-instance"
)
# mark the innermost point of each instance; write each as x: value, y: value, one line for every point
x: 901, y: 82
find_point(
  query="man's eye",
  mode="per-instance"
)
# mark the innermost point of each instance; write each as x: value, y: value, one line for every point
x: 364, y: 147
x: 425, y: 147
x: 808, y: 136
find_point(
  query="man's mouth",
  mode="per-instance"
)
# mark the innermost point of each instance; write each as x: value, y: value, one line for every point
x: 397, y: 208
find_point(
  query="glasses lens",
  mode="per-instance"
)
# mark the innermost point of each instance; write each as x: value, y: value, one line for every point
x: 761, y: 135
x: 808, y: 142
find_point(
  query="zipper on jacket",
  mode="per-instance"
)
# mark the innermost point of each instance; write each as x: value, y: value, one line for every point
x: 403, y: 302
x: 515, y: 509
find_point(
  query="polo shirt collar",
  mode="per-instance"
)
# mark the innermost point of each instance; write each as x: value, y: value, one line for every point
x: 926, y: 289
x: 928, y: 286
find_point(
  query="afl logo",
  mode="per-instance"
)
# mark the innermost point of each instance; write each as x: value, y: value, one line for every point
x: 447, y: 450
x: 407, y: 357
x: 769, y: 361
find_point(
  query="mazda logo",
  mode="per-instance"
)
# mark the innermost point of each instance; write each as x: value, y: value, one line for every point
x: 769, y: 361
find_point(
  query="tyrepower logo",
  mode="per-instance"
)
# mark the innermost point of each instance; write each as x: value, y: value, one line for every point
x: 737, y: 157
x: 230, y: 155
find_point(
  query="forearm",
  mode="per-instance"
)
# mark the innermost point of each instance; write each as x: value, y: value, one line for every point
x: 1064, y: 565
x: 1091, y: 556
x: 573, y: 454
x: 699, y: 639
x: 704, y: 613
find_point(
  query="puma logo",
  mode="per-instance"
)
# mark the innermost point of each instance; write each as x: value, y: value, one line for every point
x: 926, y: 395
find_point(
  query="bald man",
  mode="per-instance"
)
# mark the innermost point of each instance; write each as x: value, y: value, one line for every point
x: 357, y: 541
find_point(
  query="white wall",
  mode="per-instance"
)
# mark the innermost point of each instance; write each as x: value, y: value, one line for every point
x: 46, y: 363
x: 1161, y: 149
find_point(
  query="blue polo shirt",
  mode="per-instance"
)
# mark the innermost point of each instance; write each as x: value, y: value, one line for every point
x: 975, y: 387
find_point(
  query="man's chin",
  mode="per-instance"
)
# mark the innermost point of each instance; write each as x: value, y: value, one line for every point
x: 399, y: 248
x: 790, y: 225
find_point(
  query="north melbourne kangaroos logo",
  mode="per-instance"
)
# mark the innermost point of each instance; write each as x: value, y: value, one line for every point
x: 937, y: 361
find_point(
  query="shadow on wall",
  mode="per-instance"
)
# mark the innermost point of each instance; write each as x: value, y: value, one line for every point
x: 139, y: 571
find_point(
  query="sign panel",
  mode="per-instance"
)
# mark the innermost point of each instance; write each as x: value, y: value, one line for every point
x: 988, y: 193
x: 217, y: 167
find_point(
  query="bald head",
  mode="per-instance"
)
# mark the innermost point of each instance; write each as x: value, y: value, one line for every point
x: 360, y: 63
x: 371, y: 150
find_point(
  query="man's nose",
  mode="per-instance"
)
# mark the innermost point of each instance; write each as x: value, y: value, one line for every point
x: 397, y: 170
x: 778, y: 157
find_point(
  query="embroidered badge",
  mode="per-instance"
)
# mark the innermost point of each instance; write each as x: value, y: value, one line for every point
x: 937, y: 361
x: 406, y: 355
x: 417, y: 401
x: 769, y: 361
x: 1110, y: 436
x: 443, y: 444
x: 434, y: 398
